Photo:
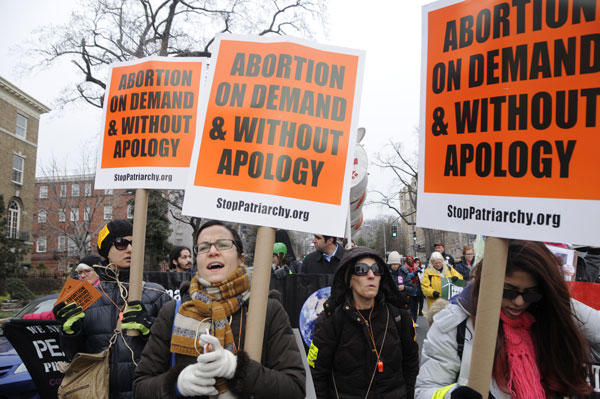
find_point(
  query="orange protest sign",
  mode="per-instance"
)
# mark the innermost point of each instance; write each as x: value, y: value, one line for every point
x: 151, y: 111
x: 512, y: 99
x: 278, y: 120
x: 80, y: 292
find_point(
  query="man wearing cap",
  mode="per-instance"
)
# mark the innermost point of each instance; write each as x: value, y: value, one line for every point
x: 439, y: 247
x: 92, y: 330
x: 326, y: 257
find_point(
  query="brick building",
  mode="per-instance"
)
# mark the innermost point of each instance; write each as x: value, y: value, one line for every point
x: 69, y: 215
x: 19, y: 125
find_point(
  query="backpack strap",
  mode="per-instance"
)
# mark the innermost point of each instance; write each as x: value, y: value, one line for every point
x: 460, y: 337
x: 177, y: 305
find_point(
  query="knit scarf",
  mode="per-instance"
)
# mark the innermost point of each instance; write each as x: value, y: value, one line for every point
x: 213, y: 303
x: 524, y: 379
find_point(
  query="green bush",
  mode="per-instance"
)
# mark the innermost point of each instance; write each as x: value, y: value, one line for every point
x: 41, y: 285
x: 18, y: 289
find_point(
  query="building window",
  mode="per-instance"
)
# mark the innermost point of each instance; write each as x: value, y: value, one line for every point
x: 88, y: 189
x: 75, y: 190
x: 21, y: 126
x: 63, y: 190
x: 74, y: 215
x: 42, y: 217
x: 86, y: 213
x: 130, y: 211
x: 61, y: 243
x: 14, y: 216
x: 43, y: 191
x: 107, y: 212
x: 72, y: 249
x: 108, y: 191
x: 18, y: 168
x: 41, y: 244
x: 62, y: 215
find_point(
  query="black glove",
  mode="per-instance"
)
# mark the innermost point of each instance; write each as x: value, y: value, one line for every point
x: 436, y: 294
x: 282, y: 272
x: 454, y: 279
x: 136, y: 318
x: 69, y: 316
x: 464, y: 392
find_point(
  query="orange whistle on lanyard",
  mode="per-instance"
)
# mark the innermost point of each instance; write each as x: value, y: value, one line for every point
x: 380, y: 366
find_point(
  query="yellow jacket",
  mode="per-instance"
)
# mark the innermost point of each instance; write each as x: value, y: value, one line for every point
x: 432, y: 281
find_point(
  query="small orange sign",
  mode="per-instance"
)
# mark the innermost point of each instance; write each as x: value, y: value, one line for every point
x: 151, y: 111
x: 278, y: 120
x: 513, y: 99
x: 80, y: 292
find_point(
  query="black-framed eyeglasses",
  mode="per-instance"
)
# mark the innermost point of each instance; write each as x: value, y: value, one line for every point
x: 362, y: 269
x: 222, y: 245
x: 122, y: 243
x: 529, y: 297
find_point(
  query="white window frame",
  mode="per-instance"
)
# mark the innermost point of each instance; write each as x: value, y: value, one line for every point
x: 63, y: 190
x: 75, y: 190
x: 43, y: 191
x: 17, y: 174
x: 41, y: 244
x: 87, y: 190
x: 74, y: 215
x: 14, y: 219
x: 61, y: 243
x: 72, y: 249
x: 21, y: 126
x: 62, y: 215
x: 108, y: 191
x: 130, y: 211
x: 42, y: 216
x: 108, y: 212
x: 86, y: 213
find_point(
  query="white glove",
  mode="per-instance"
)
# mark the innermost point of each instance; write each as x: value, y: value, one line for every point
x: 193, y: 382
x: 218, y: 363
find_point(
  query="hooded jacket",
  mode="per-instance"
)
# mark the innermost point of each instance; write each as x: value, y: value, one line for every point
x: 432, y: 281
x: 341, y: 355
x: 99, y: 324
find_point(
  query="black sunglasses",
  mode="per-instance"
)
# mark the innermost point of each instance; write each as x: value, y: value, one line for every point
x: 122, y: 243
x: 362, y: 269
x: 529, y: 297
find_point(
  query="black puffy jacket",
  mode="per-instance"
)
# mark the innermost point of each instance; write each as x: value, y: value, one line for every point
x: 100, y: 321
x: 342, y: 345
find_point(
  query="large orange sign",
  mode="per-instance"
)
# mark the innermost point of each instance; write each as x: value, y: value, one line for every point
x: 513, y: 99
x: 278, y: 121
x: 151, y: 111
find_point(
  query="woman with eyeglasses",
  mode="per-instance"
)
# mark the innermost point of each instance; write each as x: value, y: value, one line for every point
x: 91, y: 331
x: 431, y: 283
x: 544, y: 336
x: 197, y: 347
x: 364, y: 343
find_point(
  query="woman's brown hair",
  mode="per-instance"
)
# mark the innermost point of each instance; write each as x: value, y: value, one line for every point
x: 563, y: 353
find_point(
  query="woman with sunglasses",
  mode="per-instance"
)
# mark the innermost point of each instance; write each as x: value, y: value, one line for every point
x: 541, y: 348
x: 364, y: 343
x: 197, y: 348
x: 91, y: 331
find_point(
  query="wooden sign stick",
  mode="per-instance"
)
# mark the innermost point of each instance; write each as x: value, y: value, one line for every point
x: 140, y: 214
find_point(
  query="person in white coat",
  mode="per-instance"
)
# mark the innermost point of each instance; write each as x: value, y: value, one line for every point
x: 536, y: 314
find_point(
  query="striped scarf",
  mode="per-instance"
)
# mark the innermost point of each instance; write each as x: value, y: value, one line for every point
x: 213, y: 303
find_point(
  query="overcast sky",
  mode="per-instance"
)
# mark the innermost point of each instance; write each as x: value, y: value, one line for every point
x: 389, y: 31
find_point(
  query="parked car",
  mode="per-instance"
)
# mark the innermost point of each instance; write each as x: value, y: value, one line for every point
x: 15, y: 381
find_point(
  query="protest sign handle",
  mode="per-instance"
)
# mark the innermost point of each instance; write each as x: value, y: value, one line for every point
x: 488, y: 314
x: 261, y: 277
x: 137, y: 251
x: 349, y: 227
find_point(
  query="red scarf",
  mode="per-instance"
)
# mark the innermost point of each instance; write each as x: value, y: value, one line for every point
x: 524, y: 374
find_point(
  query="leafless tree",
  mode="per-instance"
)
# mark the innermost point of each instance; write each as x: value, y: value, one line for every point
x: 101, y: 32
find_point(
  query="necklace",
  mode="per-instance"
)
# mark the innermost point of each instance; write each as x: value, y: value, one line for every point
x: 372, y: 336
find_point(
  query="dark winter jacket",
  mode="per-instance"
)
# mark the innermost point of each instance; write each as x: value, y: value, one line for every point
x: 315, y: 262
x: 99, y: 324
x: 406, y: 278
x: 463, y: 268
x: 341, y: 355
x: 280, y: 374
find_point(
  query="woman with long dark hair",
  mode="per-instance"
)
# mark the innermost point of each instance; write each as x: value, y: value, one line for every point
x: 542, y: 349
